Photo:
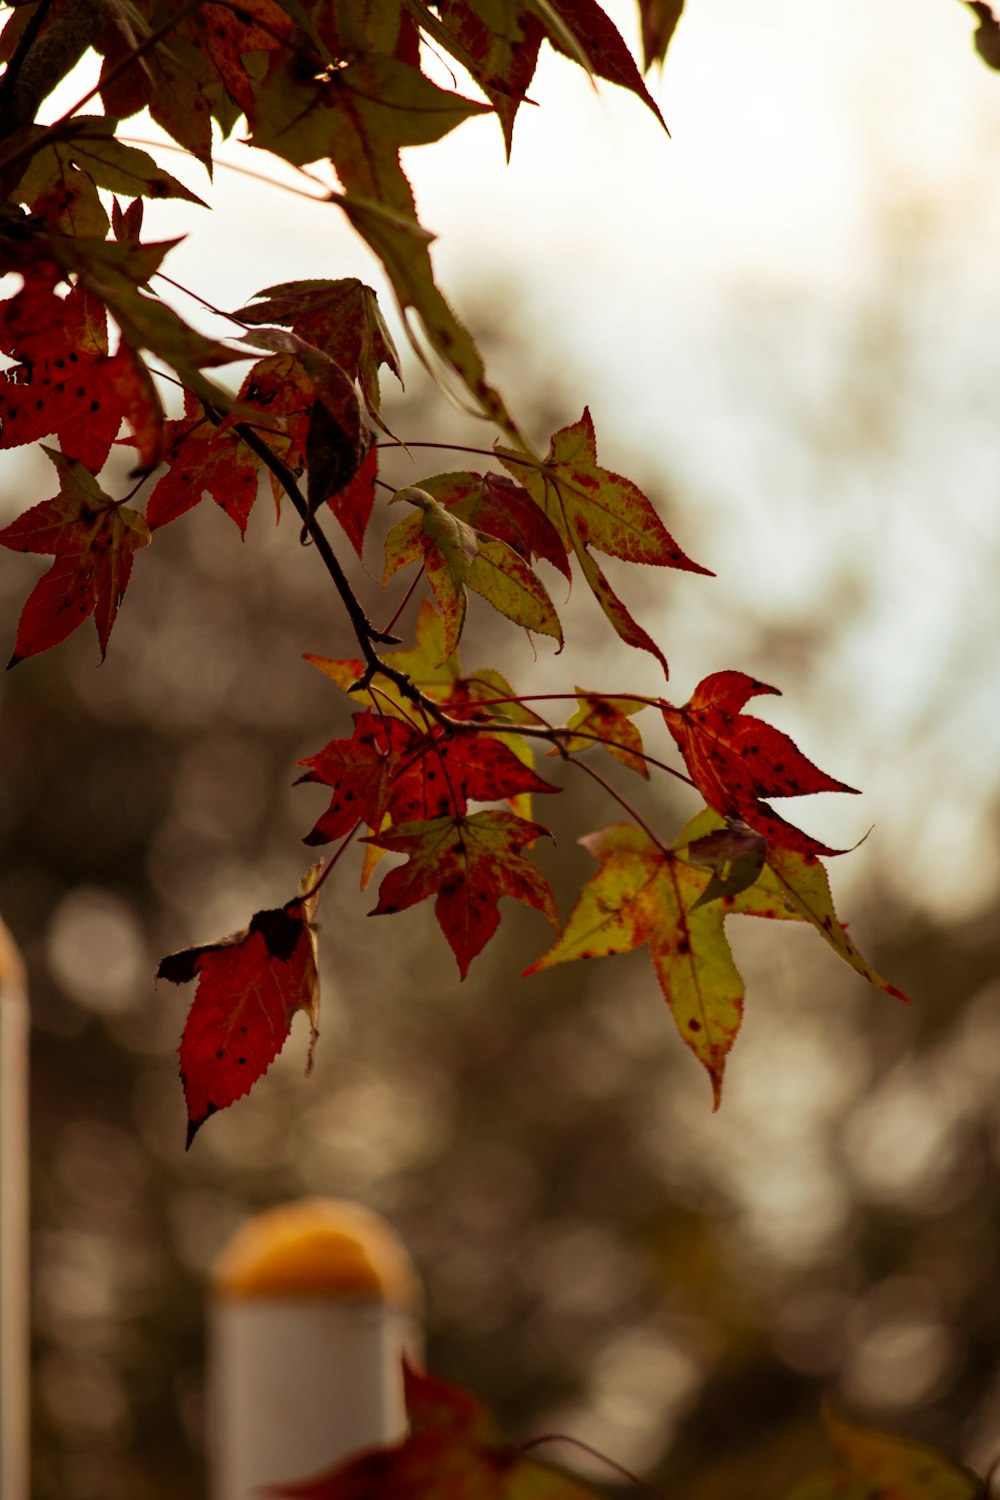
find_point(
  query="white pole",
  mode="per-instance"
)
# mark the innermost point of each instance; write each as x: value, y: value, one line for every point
x: 313, y: 1305
x: 14, y: 1348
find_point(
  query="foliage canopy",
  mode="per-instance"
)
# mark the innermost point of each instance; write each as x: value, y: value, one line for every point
x: 94, y: 348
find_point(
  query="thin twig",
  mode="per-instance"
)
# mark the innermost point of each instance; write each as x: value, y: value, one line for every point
x: 406, y: 598
x: 329, y: 194
x: 450, y: 447
x: 377, y: 694
x: 196, y: 297
x: 562, y: 1437
x: 365, y: 631
x: 555, y: 733
x: 321, y: 877
x: 623, y: 802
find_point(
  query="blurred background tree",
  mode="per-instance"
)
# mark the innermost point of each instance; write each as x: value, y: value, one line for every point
x: 602, y: 1255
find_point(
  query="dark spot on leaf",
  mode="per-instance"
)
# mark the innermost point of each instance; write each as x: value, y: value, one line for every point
x: 280, y: 931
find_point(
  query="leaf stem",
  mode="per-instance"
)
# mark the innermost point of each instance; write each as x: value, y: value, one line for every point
x: 562, y: 1437
x: 572, y: 697
x: 623, y: 802
x: 554, y: 733
x: 407, y: 717
x: 450, y: 447
x: 405, y: 599
x: 365, y: 631
x: 436, y: 747
x: 651, y: 760
x: 329, y: 195
x: 317, y: 885
x: 196, y: 297
x: 554, y: 736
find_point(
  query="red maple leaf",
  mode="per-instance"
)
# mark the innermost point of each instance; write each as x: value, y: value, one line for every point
x: 276, y: 398
x: 202, y: 461
x: 466, y: 864
x: 502, y: 60
x: 337, y: 441
x: 735, y: 759
x: 177, y: 84
x: 224, y: 35
x: 341, y: 319
x: 457, y: 769
x: 64, y: 381
x: 391, y: 766
x: 359, y: 770
x: 503, y: 509
x: 249, y: 987
x: 594, y: 509
x: 453, y: 1451
x: 603, y: 47
x: 352, y: 504
x: 94, y: 539
x: 133, y: 384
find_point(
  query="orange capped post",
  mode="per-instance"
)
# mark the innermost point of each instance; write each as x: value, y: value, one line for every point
x: 313, y: 1306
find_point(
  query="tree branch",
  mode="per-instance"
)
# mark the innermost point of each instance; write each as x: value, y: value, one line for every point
x: 366, y: 632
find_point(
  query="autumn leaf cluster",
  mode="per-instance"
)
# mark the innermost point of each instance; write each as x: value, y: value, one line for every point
x: 437, y: 775
x: 432, y: 772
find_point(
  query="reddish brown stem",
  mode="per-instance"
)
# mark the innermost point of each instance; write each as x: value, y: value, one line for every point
x: 449, y: 447
x: 365, y: 631
x: 321, y: 877
x: 554, y: 734
x: 329, y: 195
x: 560, y: 1437
x: 196, y: 297
x: 623, y: 802
x: 405, y: 599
